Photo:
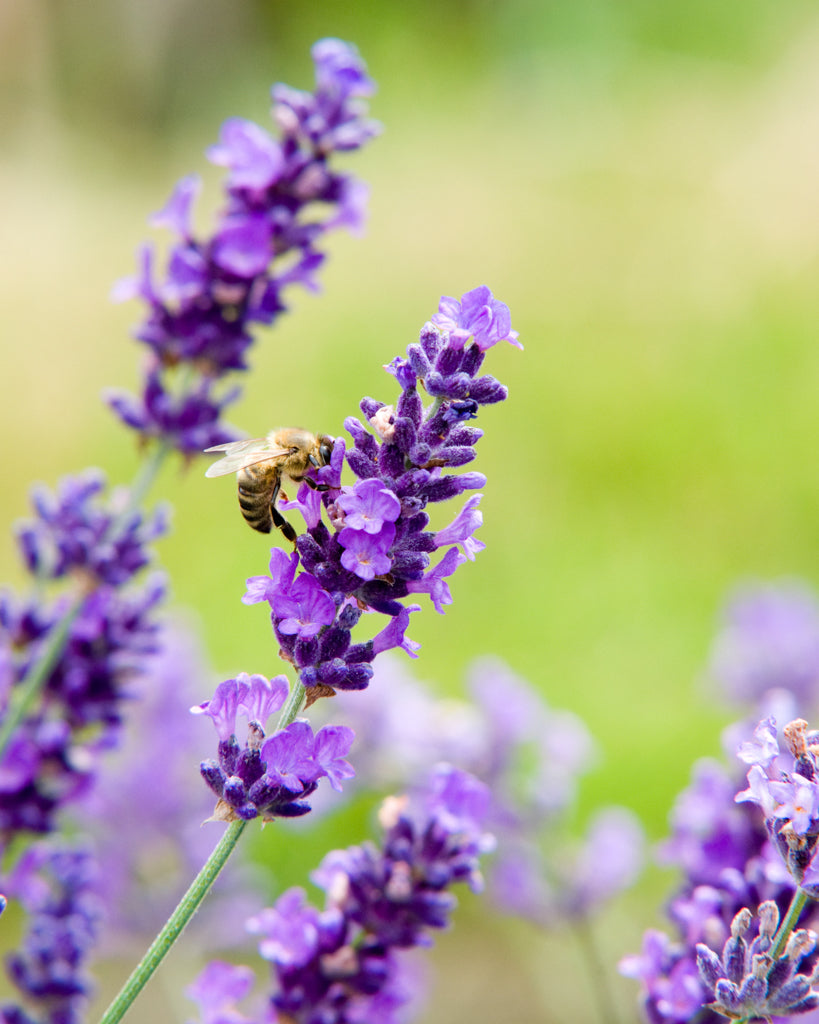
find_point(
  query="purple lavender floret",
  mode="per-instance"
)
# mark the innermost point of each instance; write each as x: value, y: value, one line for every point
x: 281, y: 198
x: 269, y: 776
x: 376, y: 550
x: 57, y: 888
x: 53, y: 754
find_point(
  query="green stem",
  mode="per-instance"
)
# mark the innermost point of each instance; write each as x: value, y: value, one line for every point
x: 293, y: 705
x: 174, y: 925
x: 32, y: 683
x: 27, y: 692
x: 143, y: 481
x: 195, y: 894
x: 596, y: 972
x: 800, y: 898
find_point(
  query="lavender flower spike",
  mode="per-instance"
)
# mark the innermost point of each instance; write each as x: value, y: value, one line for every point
x: 345, y: 962
x: 373, y: 549
x: 281, y: 198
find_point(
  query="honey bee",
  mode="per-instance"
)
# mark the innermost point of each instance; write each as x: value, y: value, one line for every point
x: 261, y: 462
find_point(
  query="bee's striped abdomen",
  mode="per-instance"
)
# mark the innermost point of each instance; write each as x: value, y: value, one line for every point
x: 258, y: 487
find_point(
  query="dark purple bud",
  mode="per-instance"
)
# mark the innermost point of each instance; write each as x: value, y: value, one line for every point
x: 733, y: 956
x: 405, y: 434
x: 449, y: 362
x: 334, y: 642
x: 449, y: 486
x: 418, y: 360
x: 363, y: 466
x: 473, y: 358
x: 410, y: 405
x: 213, y: 776
x: 332, y: 673
x: 306, y: 651
x: 369, y: 406
x: 249, y: 766
x: 409, y: 565
x: 228, y: 751
x: 430, y: 340
x: 420, y: 454
x: 456, y: 455
x: 357, y: 677
x: 487, y: 390
x: 391, y: 463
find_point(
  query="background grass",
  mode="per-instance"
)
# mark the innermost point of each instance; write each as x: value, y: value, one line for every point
x: 636, y: 180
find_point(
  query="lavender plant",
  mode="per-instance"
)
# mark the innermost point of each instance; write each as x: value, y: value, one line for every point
x: 745, y: 912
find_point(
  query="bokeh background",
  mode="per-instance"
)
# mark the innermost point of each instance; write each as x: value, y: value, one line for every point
x: 637, y: 181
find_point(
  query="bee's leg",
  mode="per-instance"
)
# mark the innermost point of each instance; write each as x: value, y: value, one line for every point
x: 282, y: 524
x: 278, y: 519
x: 318, y: 487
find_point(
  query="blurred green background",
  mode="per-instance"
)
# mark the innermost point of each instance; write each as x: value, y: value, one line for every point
x: 637, y: 181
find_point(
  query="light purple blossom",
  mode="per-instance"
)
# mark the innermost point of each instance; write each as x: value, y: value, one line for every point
x: 461, y: 529
x: 368, y: 505
x: 217, y: 988
x: 304, y: 609
x: 365, y: 553
x: 479, y: 316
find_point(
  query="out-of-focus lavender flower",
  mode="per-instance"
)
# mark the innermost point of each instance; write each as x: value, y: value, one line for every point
x: 272, y: 776
x: 77, y: 531
x: 377, y: 549
x: 56, y: 885
x: 346, y: 962
x: 217, y: 988
x: 530, y: 756
x: 53, y: 754
x: 769, y: 639
x: 281, y: 198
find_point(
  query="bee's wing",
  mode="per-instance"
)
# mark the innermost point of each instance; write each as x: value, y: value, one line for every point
x: 241, y: 454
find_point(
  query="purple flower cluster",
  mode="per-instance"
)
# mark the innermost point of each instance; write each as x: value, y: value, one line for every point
x: 748, y: 981
x: 51, y: 756
x: 731, y: 864
x: 764, y: 653
x: 57, y: 887
x: 76, y: 531
x: 788, y: 796
x: 530, y: 757
x: 734, y: 868
x: 268, y: 776
x: 282, y: 197
x: 344, y: 963
x: 377, y: 549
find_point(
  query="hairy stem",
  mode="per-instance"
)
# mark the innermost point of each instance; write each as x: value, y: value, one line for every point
x: 173, y: 926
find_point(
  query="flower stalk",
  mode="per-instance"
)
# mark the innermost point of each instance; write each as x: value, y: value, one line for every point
x: 173, y: 927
